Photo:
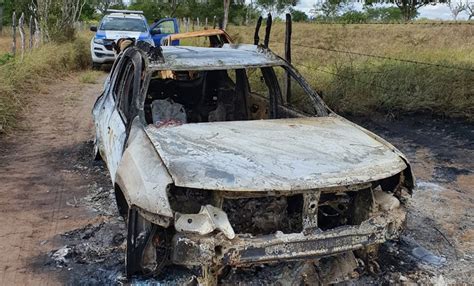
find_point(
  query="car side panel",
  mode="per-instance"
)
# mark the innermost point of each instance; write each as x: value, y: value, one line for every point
x: 115, y: 140
x: 142, y: 176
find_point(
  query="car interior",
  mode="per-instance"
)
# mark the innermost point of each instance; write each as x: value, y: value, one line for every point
x: 221, y: 95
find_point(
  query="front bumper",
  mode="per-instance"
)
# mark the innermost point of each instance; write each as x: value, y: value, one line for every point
x: 244, y: 249
x: 102, y: 54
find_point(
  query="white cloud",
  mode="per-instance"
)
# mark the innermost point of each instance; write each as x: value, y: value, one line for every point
x: 435, y: 12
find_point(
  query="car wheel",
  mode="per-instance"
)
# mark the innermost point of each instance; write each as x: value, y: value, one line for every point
x: 147, y: 246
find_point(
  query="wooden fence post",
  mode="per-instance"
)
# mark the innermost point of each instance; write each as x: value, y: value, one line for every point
x: 214, y: 23
x: 32, y: 33
x: 37, y: 34
x: 1, y: 16
x: 288, y: 56
x: 197, y: 23
x: 192, y: 23
x: 205, y: 26
x: 256, y: 37
x: 14, y: 33
x: 21, y: 28
x: 268, y: 29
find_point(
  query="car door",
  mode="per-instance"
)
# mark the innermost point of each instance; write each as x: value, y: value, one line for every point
x: 163, y: 28
x: 103, y: 109
x: 127, y: 88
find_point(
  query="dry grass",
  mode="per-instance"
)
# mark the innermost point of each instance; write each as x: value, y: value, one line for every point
x: 19, y: 77
x: 363, y: 84
x: 5, y: 43
x: 90, y: 77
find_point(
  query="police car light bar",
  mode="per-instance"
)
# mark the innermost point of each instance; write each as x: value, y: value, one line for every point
x: 123, y: 11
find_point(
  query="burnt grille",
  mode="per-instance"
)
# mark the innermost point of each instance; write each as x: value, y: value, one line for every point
x: 345, y: 208
x: 267, y: 215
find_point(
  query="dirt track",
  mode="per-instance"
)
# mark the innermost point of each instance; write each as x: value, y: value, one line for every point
x: 38, y: 183
x: 52, y: 195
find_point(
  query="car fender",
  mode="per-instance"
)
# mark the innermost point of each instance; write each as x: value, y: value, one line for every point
x: 143, y: 178
x: 410, y: 179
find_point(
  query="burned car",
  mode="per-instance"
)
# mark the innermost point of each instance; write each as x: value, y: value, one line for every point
x: 226, y: 158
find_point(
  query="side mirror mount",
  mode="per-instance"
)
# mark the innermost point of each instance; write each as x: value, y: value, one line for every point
x: 93, y: 28
x: 155, y: 31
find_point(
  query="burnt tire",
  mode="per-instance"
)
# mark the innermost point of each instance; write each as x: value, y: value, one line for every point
x: 138, y: 233
x: 147, y: 247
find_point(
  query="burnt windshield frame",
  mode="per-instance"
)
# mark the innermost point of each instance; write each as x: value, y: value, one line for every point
x: 271, y: 80
x: 321, y: 108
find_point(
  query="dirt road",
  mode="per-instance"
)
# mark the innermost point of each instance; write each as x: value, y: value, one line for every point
x: 38, y: 184
x: 53, y: 197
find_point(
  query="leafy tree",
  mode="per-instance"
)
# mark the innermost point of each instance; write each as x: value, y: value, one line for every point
x: 328, y: 9
x: 408, y: 8
x: 276, y: 6
x: 353, y: 17
x: 20, y: 6
x: 383, y: 14
x: 103, y: 5
x: 150, y: 9
x: 88, y: 12
x: 298, y: 16
x: 57, y: 18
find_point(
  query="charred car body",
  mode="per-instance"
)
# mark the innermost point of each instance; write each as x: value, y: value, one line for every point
x: 225, y: 157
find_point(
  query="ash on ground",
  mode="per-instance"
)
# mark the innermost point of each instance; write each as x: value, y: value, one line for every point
x: 425, y: 254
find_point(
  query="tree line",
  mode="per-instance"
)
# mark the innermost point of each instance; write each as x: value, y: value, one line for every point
x: 57, y: 17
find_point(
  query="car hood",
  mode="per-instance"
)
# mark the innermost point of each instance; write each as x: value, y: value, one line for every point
x: 279, y: 155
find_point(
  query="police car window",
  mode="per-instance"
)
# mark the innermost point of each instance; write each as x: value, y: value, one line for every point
x: 123, y: 24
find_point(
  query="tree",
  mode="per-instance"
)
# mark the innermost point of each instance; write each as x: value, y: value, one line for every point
x: 298, y: 16
x: 20, y: 6
x: 383, y: 14
x: 469, y: 9
x: 103, y: 5
x: 1, y: 16
x: 408, y: 8
x: 276, y: 6
x: 226, y: 13
x: 329, y: 9
x: 57, y: 18
x: 354, y: 17
x: 456, y: 8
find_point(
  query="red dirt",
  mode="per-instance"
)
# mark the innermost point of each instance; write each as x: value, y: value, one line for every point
x: 36, y: 184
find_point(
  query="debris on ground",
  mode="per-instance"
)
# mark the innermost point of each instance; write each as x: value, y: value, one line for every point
x: 431, y: 251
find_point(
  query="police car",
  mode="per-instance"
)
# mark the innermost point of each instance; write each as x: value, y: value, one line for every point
x: 114, y: 25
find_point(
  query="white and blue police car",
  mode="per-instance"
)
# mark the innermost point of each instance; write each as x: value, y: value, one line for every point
x: 117, y: 24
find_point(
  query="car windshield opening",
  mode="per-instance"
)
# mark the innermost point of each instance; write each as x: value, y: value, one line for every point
x: 227, y: 95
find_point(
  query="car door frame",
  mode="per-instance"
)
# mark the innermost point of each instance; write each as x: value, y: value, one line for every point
x: 157, y: 38
x: 100, y: 110
x: 112, y: 123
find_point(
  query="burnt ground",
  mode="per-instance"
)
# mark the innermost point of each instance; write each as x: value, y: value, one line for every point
x: 59, y: 223
x: 440, y: 220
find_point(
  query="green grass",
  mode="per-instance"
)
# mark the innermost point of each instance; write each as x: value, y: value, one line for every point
x: 354, y: 84
x: 21, y: 77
